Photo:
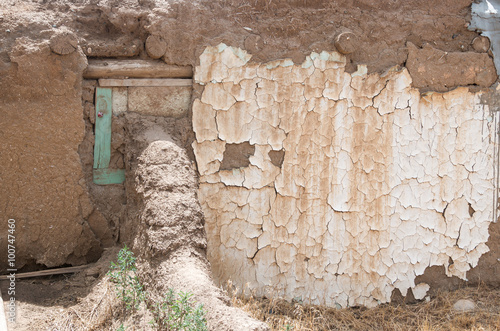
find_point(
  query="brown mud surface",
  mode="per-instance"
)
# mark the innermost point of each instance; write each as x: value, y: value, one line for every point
x: 274, y: 29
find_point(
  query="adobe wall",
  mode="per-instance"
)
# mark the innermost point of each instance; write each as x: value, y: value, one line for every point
x: 43, y: 186
x: 335, y: 143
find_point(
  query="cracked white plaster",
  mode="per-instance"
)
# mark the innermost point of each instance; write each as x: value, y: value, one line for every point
x: 204, y: 121
x: 377, y: 182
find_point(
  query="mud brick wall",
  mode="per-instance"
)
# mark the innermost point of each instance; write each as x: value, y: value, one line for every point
x: 43, y: 185
x: 337, y: 188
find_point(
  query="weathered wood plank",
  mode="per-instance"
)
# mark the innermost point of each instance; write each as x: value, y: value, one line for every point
x: 144, y: 82
x: 135, y: 69
x: 103, y: 114
x: 48, y: 272
x: 109, y: 176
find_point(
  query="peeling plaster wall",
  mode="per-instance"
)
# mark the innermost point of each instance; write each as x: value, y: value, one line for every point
x: 377, y: 182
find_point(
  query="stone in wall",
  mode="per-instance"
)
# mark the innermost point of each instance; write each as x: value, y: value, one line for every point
x: 377, y: 182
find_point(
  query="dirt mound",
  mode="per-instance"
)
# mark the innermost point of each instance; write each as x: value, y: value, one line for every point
x: 170, y: 241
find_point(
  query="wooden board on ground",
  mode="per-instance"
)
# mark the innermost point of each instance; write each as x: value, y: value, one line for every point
x: 48, y: 272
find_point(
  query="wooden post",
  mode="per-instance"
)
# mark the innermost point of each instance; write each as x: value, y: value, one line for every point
x: 102, y: 175
x: 102, y: 146
x: 109, y: 176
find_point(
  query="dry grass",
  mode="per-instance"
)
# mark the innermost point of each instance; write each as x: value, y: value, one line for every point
x: 434, y: 315
x: 91, y: 313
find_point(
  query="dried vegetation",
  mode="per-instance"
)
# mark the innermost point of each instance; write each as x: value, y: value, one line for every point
x: 435, y: 314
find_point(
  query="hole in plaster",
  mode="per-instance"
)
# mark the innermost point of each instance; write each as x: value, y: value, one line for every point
x: 237, y: 156
x: 471, y: 210
x: 277, y: 157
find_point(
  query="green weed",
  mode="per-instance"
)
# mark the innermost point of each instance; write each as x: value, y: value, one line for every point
x: 176, y: 313
x: 123, y: 273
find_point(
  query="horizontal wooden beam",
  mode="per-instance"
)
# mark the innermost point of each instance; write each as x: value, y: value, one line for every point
x: 135, y: 69
x: 106, y: 82
x: 48, y: 272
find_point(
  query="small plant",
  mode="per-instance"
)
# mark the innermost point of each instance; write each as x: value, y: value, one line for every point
x: 121, y: 328
x: 176, y: 313
x: 123, y: 273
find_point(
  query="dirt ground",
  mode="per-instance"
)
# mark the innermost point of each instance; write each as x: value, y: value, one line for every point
x: 86, y: 301
x: 43, y: 303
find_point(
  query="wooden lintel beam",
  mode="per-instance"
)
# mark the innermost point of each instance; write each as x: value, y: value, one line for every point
x: 135, y: 69
x: 106, y: 82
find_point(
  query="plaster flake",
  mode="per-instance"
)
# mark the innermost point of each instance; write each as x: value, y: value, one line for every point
x: 234, y: 177
x: 210, y: 72
x: 216, y: 96
x: 378, y: 182
x: 233, y: 122
x: 208, y: 155
x: 249, y: 71
x: 234, y: 57
x: 204, y: 121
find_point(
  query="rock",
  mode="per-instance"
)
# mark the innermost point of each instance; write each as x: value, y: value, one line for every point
x: 346, y: 42
x: 481, y: 44
x: 464, y: 305
x: 155, y: 47
x: 63, y: 43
